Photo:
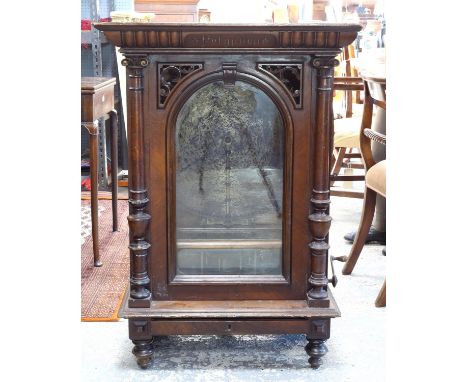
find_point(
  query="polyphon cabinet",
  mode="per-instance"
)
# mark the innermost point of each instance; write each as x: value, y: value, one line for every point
x: 229, y: 145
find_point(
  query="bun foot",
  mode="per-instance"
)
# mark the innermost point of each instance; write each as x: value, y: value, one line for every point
x: 143, y: 351
x: 316, y: 349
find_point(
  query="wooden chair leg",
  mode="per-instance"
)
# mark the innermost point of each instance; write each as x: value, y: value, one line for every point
x: 381, y: 299
x: 364, y: 226
x: 94, y: 161
x: 338, y: 162
x: 333, y: 159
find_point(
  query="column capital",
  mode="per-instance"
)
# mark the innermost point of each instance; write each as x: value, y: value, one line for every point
x: 137, y: 61
x: 324, y: 62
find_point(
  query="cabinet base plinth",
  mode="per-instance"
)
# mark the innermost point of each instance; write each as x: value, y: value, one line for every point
x: 229, y: 318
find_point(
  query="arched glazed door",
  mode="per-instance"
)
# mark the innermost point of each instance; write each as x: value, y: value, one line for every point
x: 229, y: 183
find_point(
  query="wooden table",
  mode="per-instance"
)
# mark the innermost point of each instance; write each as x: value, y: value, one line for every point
x: 97, y: 100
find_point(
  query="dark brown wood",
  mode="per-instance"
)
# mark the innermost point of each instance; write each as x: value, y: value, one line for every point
x: 143, y: 351
x: 138, y: 220
x: 293, y: 65
x: 97, y: 97
x: 93, y: 160
x: 250, y: 38
x: 319, y: 218
x: 97, y: 100
x: 222, y: 327
x: 353, y: 155
x: 335, y: 178
x: 289, y: 286
x: 361, y: 235
x: 316, y: 349
x: 230, y: 309
x: 338, y: 156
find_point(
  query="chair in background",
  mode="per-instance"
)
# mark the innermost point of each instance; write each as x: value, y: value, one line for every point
x: 375, y: 178
x: 348, y: 69
x: 346, y: 138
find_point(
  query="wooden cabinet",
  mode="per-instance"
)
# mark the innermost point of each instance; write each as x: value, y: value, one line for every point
x: 229, y: 144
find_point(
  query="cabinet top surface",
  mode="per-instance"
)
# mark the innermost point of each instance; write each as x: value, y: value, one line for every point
x: 203, y: 36
x: 91, y: 84
x: 231, y: 26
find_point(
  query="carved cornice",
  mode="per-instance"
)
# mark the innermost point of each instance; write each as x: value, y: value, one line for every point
x: 229, y: 36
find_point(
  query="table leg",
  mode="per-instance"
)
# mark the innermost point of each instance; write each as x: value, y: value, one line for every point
x: 94, y: 159
x: 114, y: 164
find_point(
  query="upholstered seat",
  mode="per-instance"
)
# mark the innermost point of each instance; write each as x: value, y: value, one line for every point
x: 346, y: 126
x: 347, y: 132
x: 376, y: 178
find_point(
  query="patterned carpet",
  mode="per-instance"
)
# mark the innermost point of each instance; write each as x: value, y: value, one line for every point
x: 102, y: 288
x: 86, y: 226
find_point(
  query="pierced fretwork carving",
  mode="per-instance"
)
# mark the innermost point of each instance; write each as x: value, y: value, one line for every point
x: 290, y: 76
x: 170, y: 75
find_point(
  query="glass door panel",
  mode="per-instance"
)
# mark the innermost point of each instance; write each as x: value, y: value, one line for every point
x: 229, y: 182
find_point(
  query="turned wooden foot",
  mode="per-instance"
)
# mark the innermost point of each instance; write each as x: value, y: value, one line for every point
x: 143, y: 351
x: 316, y: 349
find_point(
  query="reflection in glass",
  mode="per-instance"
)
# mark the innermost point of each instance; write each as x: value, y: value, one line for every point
x: 229, y: 182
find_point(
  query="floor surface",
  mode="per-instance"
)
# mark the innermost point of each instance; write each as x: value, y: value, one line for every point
x: 356, y: 349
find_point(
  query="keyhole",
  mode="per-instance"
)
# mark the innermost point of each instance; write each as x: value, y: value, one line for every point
x: 229, y: 327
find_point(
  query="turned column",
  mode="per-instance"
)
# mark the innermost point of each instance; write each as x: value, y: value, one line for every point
x: 138, y: 219
x: 319, y: 219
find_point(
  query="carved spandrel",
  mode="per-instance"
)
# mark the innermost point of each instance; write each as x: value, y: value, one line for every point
x: 290, y: 75
x: 170, y: 75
